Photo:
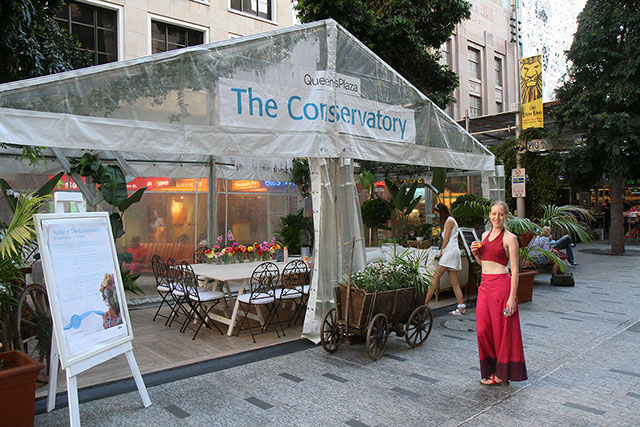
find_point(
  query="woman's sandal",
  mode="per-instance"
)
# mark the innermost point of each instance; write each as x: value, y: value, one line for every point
x: 460, y: 311
x: 493, y: 380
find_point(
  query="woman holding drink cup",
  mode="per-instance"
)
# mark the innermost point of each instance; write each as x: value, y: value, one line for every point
x: 497, y: 320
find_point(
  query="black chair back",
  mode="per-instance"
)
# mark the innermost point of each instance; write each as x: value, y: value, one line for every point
x: 158, y: 266
x: 264, y: 280
x: 200, y: 256
x: 173, y: 275
x: 189, y: 281
x: 294, y: 276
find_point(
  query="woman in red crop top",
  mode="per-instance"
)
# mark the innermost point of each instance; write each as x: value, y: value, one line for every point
x: 497, y: 318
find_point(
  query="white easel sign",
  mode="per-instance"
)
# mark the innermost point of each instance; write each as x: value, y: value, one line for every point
x: 84, y: 285
x: 88, y: 305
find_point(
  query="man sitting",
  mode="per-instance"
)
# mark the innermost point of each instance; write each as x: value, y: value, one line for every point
x: 543, y: 243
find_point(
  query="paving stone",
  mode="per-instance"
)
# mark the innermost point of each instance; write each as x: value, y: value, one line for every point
x: 581, y: 356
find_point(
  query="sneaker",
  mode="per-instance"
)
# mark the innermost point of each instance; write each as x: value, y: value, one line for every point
x: 574, y: 264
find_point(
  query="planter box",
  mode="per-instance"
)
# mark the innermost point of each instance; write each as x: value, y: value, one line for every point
x: 18, y: 388
x: 525, y: 285
x: 396, y: 305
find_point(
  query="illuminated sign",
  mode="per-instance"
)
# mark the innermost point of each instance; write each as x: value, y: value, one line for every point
x: 247, y: 185
x: 379, y: 184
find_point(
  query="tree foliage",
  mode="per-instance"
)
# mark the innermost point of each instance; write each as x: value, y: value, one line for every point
x: 602, y: 95
x: 31, y: 42
x: 405, y: 34
x: 601, y: 98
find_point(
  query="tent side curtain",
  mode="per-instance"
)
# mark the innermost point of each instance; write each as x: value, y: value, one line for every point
x: 275, y: 94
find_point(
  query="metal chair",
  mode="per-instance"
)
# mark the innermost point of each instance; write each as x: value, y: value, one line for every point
x: 200, y: 255
x: 175, y: 281
x: 198, y: 298
x: 158, y: 266
x: 294, y: 277
x: 261, y: 293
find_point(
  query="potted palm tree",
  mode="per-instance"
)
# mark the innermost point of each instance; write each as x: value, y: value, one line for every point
x: 567, y: 219
x: 18, y: 372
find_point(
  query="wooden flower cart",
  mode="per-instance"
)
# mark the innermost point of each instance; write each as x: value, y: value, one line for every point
x: 358, y: 313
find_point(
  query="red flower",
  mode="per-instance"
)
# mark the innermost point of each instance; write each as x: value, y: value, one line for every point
x: 259, y: 252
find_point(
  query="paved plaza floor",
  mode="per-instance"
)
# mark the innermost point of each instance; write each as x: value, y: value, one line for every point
x: 582, y: 348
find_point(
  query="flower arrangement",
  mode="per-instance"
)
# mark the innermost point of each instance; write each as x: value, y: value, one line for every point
x: 236, y: 252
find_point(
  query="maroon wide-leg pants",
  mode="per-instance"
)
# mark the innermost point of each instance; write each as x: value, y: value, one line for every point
x: 499, y: 337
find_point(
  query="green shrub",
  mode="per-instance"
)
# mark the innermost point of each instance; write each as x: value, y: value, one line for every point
x: 375, y: 213
x: 403, y: 271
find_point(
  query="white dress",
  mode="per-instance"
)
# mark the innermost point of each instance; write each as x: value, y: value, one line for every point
x: 451, y: 254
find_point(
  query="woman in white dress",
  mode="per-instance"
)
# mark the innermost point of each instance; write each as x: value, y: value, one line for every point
x: 449, y: 257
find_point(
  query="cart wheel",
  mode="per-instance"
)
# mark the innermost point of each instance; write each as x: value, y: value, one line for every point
x: 330, y: 332
x: 33, y: 327
x: 377, y: 336
x: 419, y: 326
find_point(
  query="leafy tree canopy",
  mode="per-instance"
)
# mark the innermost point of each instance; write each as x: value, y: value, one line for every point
x: 32, y: 44
x: 602, y: 94
x: 404, y: 33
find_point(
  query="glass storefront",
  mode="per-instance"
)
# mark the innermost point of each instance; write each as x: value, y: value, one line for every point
x: 174, y: 210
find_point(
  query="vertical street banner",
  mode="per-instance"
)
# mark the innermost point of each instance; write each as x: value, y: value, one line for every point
x: 531, y: 92
x: 518, y: 185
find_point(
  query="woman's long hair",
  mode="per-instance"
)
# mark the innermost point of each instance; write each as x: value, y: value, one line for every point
x: 443, y: 213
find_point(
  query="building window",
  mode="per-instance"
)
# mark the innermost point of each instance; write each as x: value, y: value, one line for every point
x: 446, y: 53
x: 166, y: 37
x: 499, y: 107
x: 260, y: 8
x: 475, y: 106
x: 498, y: 69
x: 95, y: 27
x: 474, y: 64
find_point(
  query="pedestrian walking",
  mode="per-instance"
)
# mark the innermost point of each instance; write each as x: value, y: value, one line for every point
x: 449, y: 256
x: 497, y: 319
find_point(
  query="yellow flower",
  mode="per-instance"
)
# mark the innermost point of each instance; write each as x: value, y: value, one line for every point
x: 210, y: 254
x: 250, y: 249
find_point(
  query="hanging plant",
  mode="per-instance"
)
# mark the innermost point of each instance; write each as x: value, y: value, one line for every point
x: 301, y: 176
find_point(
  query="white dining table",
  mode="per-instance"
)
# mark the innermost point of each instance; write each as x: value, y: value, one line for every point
x: 222, y: 275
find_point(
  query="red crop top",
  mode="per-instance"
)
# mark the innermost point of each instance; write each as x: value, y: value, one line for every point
x: 493, y: 250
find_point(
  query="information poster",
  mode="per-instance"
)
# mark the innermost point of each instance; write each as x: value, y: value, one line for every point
x: 84, y: 283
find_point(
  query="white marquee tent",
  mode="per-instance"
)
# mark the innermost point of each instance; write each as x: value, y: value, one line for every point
x: 259, y: 101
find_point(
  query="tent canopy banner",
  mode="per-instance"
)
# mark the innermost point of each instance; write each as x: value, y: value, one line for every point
x: 311, y: 90
x: 242, y: 105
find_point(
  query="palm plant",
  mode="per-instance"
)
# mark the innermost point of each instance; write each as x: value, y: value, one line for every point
x: 20, y: 234
x: 17, y: 242
x: 567, y: 219
x: 472, y: 213
x: 403, y: 202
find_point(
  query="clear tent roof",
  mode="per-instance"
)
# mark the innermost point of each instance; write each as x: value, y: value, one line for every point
x: 311, y: 90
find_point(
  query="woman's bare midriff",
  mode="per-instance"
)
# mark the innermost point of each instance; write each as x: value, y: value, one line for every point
x: 492, y: 267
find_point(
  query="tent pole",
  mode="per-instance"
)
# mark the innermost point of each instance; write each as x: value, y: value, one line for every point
x: 212, y: 203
